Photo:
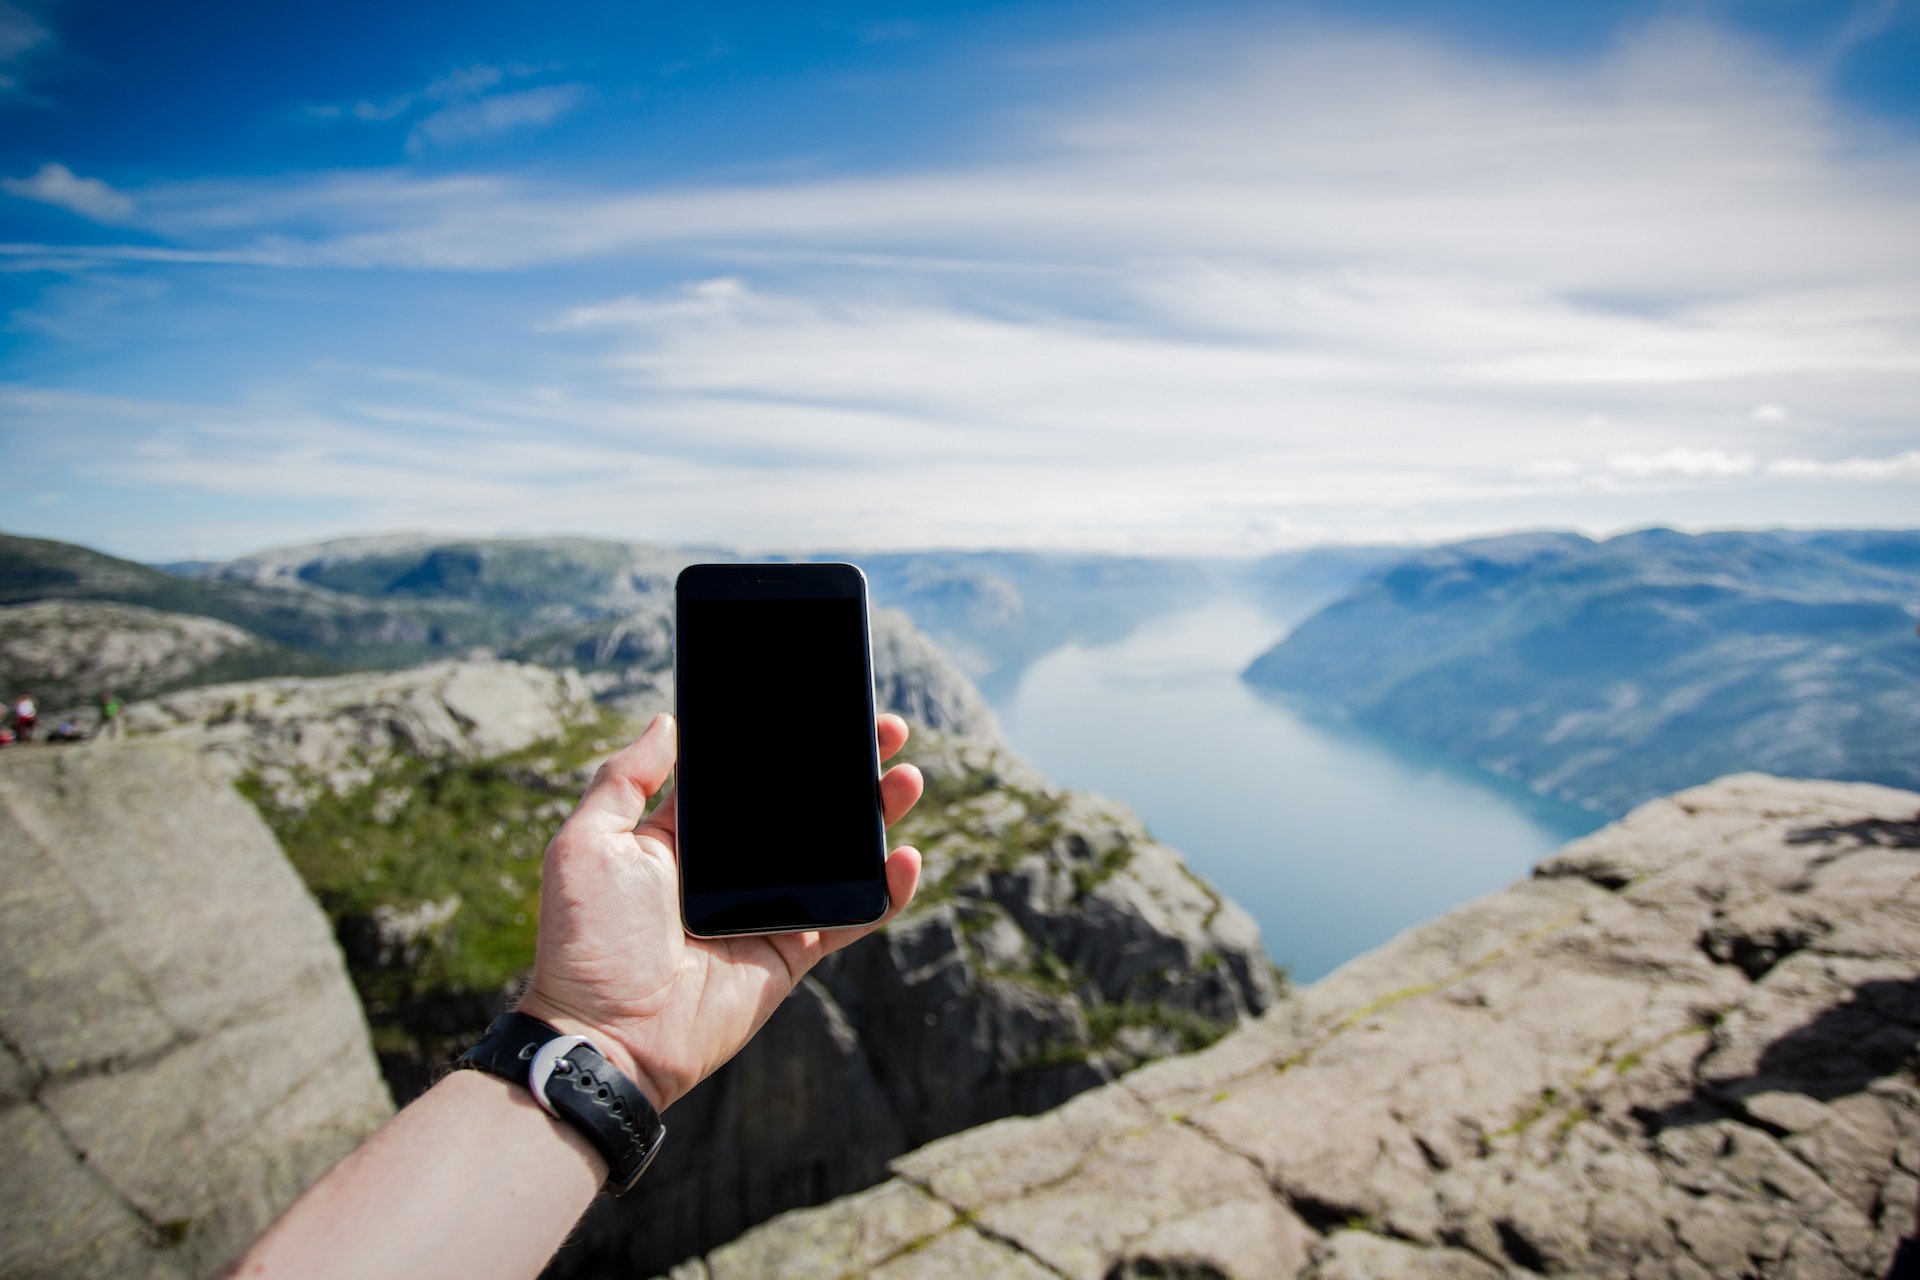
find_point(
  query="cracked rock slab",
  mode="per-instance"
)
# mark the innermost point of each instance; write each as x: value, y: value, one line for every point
x: 183, y: 1051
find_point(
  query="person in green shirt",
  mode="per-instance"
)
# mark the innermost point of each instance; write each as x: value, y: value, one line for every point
x: 109, y: 716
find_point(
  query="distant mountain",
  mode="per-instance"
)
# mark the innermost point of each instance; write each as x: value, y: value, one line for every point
x: 1298, y: 582
x: 605, y: 607
x: 1606, y: 673
x: 342, y: 628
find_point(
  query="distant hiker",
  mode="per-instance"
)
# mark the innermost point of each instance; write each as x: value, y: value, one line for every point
x: 109, y: 726
x: 67, y: 731
x: 25, y: 716
x: 6, y: 737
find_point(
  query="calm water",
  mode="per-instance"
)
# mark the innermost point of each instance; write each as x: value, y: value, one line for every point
x: 1335, y: 838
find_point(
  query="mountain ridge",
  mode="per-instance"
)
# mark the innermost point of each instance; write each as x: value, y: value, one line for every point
x: 1608, y: 672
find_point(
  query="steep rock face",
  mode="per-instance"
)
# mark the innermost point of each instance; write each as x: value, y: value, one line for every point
x: 300, y: 737
x: 1686, y: 1048
x: 914, y: 678
x: 180, y: 1051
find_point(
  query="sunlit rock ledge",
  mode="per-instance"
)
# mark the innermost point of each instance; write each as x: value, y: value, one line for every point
x: 1684, y: 1048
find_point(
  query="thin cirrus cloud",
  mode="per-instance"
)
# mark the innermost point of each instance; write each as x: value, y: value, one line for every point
x: 497, y: 113
x: 462, y: 105
x: 1322, y: 286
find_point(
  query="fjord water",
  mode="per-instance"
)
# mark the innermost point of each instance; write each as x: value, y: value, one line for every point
x: 1334, y: 837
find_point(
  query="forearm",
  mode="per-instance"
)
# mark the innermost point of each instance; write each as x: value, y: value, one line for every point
x: 473, y: 1179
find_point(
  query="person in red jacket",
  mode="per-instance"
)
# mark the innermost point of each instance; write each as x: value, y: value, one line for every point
x: 25, y: 716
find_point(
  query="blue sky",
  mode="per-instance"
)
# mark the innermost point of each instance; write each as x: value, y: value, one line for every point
x: 1208, y: 277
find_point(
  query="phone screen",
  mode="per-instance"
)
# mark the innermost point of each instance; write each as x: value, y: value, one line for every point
x: 780, y: 825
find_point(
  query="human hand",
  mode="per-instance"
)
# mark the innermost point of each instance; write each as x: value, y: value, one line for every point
x: 613, y: 962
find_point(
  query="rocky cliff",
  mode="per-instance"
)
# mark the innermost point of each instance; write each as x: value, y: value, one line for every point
x: 180, y: 1051
x: 1684, y: 1049
x: 300, y: 738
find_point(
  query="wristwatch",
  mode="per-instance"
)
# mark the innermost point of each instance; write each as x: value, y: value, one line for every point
x: 571, y: 1081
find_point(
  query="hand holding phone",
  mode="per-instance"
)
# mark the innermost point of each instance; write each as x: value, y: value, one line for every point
x: 613, y: 962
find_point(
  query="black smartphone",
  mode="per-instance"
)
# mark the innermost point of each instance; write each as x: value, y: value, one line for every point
x: 778, y: 783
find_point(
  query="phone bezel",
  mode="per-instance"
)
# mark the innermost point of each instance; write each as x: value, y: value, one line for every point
x: 796, y: 908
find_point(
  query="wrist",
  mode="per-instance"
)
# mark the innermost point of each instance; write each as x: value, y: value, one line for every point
x: 522, y: 1118
x: 610, y: 1046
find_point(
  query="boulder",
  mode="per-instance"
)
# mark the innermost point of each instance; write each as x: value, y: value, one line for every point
x: 180, y: 1051
x: 298, y: 737
x: 1685, y: 1048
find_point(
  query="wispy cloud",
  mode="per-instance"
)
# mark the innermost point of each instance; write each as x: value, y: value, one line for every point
x: 462, y: 105
x: 499, y: 113
x: 57, y: 185
x: 1683, y: 462
x: 1901, y: 466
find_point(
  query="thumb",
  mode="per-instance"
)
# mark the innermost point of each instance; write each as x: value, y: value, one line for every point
x: 617, y: 797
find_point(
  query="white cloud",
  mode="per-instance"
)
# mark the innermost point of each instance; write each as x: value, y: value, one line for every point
x: 1769, y: 413
x: 55, y: 184
x: 1683, y: 462
x: 1901, y: 466
x: 499, y: 113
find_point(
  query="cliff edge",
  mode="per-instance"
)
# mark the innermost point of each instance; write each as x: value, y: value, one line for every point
x: 180, y: 1050
x: 1685, y: 1048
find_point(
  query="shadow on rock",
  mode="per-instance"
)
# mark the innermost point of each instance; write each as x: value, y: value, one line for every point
x: 1877, y: 831
x: 1840, y: 1052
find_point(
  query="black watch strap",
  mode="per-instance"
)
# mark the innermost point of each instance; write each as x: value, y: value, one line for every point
x: 581, y: 1087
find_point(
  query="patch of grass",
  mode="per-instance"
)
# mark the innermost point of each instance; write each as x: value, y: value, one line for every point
x: 1634, y: 1057
x: 471, y: 830
x: 1193, y: 1030
x: 1090, y: 876
x: 1063, y: 1053
x: 1531, y: 1114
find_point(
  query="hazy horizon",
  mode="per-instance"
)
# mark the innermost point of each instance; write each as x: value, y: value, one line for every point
x: 419, y: 536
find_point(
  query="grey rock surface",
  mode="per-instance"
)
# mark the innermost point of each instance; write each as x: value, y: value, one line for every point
x: 1685, y: 1048
x: 297, y: 736
x: 68, y: 652
x: 628, y: 663
x: 180, y: 1051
